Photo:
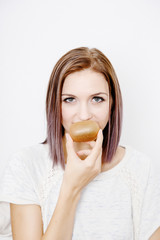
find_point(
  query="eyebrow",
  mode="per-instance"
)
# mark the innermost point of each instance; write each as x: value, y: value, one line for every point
x: 95, y: 94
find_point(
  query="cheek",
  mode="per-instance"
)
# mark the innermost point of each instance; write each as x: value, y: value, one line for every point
x: 103, y: 116
x: 66, y: 116
x: 103, y: 120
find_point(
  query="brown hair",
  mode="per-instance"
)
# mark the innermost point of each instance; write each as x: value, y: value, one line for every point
x: 77, y: 60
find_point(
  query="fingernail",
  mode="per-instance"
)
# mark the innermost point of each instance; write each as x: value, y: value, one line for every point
x: 100, y: 131
x: 67, y: 136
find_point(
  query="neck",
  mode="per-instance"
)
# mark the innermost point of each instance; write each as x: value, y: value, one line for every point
x: 106, y: 166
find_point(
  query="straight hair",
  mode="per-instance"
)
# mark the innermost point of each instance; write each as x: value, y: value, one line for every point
x: 75, y: 60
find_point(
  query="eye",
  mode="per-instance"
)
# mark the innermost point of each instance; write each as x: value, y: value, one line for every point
x: 97, y: 99
x: 69, y: 100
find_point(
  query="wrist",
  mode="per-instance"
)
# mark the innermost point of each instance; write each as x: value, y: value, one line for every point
x: 69, y: 192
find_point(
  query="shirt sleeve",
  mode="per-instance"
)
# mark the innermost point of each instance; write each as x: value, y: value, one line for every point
x: 17, y: 184
x: 150, y: 218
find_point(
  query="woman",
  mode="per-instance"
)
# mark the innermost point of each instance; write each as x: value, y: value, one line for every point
x: 53, y: 193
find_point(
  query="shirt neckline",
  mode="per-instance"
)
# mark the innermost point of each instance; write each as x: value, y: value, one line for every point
x: 115, y: 169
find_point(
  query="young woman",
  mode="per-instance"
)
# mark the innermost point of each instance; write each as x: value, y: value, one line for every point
x: 62, y: 189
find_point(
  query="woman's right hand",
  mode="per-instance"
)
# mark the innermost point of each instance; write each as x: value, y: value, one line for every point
x: 78, y: 173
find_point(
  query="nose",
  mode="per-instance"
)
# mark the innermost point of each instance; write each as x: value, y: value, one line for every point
x: 84, y: 112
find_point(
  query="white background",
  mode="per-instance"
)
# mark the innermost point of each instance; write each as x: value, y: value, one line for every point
x: 34, y: 34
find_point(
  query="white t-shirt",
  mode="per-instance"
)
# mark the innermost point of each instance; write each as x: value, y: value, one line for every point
x: 120, y: 204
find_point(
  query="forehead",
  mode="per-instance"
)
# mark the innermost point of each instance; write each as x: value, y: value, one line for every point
x: 85, y: 80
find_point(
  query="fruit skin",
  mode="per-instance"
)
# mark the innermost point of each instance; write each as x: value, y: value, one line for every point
x: 84, y: 131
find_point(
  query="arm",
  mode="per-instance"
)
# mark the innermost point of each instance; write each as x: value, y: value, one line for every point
x: 62, y: 221
x: 27, y: 220
x: 155, y: 235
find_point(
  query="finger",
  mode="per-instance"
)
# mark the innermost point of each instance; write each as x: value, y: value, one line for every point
x: 85, y: 152
x: 91, y: 143
x: 98, y: 163
x: 98, y: 146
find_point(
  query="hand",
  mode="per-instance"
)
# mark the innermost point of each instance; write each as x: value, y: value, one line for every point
x: 83, y: 153
x: 78, y: 173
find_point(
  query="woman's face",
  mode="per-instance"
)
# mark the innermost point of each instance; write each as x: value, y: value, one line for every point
x: 85, y: 96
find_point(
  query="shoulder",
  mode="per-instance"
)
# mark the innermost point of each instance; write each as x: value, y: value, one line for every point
x: 137, y: 166
x: 32, y: 151
x: 37, y: 154
x: 137, y: 160
x: 24, y: 174
x: 30, y: 162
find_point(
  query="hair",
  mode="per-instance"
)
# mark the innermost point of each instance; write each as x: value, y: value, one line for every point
x: 76, y: 60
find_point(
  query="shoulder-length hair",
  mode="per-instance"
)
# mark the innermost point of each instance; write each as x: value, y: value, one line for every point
x: 76, y: 60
